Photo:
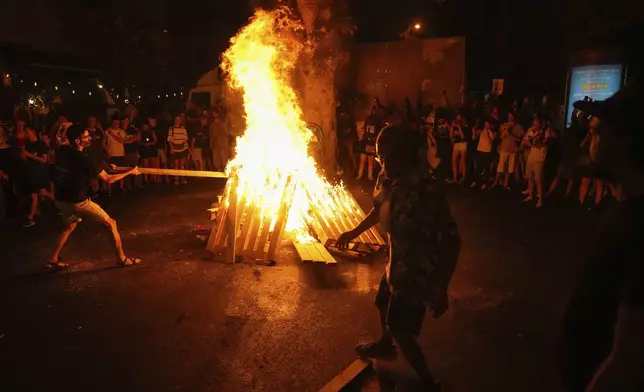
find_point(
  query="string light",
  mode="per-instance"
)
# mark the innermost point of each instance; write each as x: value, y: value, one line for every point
x: 175, y: 94
x: 56, y: 88
x: 166, y: 95
x: 69, y: 83
x: 21, y: 81
x: 73, y: 91
x: 126, y: 100
x: 35, y: 84
x: 90, y: 93
x: 100, y: 85
x: 158, y: 96
x: 7, y: 75
x: 117, y: 96
x: 139, y: 97
x: 31, y: 101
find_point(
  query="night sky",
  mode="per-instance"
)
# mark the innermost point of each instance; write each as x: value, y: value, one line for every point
x: 524, y: 42
x: 520, y: 41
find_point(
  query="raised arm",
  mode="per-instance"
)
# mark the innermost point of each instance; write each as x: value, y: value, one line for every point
x: 116, y: 137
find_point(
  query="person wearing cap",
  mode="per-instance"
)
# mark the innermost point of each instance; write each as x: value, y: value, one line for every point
x: 424, y: 246
x: 602, y: 346
x: 73, y: 173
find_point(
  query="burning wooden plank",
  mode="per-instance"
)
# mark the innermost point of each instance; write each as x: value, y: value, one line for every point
x: 175, y: 172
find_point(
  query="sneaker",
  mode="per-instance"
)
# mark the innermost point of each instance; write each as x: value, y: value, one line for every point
x: 527, y: 199
x: 483, y: 187
x: 472, y: 185
x: 526, y: 192
x: 379, y: 349
x: 507, y: 188
x: 540, y: 203
x: 28, y: 223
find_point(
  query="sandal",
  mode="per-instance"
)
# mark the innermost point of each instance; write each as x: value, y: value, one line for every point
x: 129, y: 261
x: 56, y: 265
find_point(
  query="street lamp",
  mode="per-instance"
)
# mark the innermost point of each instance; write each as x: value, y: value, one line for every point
x: 412, y: 31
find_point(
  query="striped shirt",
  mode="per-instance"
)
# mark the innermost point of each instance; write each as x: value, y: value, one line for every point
x: 178, y: 137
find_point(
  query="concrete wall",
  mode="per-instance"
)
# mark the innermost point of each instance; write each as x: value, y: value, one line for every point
x: 392, y: 71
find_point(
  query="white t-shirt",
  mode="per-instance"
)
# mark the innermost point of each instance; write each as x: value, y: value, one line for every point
x: 114, y: 147
x: 485, y: 141
x: 538, y: 149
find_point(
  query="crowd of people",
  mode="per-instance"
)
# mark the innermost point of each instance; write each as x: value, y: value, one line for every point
x: 192, y: 140
x: 486, y: 146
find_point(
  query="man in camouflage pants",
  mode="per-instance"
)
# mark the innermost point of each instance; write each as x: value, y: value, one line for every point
x: 424, y: 245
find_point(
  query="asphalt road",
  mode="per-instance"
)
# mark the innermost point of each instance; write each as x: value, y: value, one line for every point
x: 183, y: 322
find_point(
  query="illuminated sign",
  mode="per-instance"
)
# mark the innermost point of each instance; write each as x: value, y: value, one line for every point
x: 597, y: 82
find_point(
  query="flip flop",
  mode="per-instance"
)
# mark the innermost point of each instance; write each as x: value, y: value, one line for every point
x: 56, y: 265
x: 129, y: 261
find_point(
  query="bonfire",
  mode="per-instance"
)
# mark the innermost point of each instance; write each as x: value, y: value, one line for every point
x: 272, y: 176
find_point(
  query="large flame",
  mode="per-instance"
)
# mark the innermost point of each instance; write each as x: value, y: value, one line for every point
x: 273, y: 150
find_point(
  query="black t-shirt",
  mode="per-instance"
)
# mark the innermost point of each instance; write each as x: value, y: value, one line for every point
x: 202, y: 138
x: 372, y: 128
x: 33, y: 167
x: 162, y: 135
x: 442, y: 133
x: 73, y: 173
x: 614, y: 276
x: 131, y: 148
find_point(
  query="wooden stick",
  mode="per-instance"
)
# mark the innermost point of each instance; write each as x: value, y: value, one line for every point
x: 174, y: 172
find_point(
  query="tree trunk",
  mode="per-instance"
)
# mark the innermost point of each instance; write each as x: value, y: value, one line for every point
x: 317, y: 76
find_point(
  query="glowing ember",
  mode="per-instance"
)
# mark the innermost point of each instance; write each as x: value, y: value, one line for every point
x: 274, y: 147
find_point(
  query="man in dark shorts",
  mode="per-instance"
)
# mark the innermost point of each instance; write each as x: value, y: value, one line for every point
x: 424, y: 243
x: 602, y: 346
x: 34, y: 179
x: 73, y: 173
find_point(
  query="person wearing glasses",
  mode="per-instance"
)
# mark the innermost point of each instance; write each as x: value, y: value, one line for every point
x: 424, y: 245
x: 73, y: 173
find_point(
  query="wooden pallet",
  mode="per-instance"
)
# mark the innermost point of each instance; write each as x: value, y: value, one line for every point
x: 242, y: 230
x: 254, y: 237
x: 314, y: 253
x: 339, y: 216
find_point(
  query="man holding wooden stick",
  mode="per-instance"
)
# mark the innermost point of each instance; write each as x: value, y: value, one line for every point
x: 424, y: 243
x: 72, y: 177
